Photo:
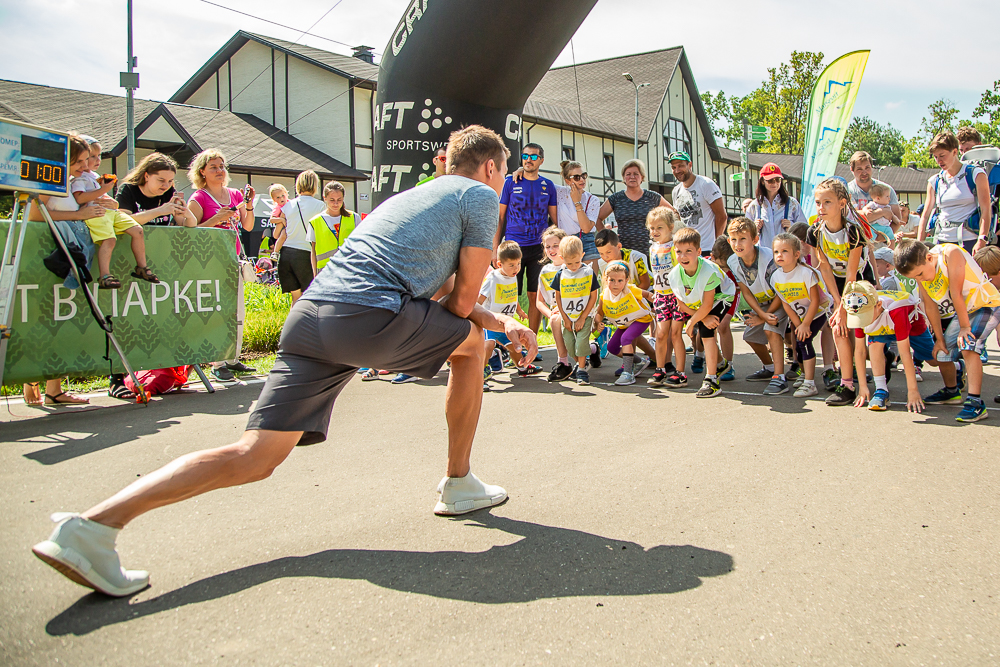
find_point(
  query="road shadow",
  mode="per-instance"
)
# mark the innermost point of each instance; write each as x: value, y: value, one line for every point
x: 549, y: 562
x: 129, y: 422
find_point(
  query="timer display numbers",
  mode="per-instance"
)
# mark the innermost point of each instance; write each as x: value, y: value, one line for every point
x: 33, y: 159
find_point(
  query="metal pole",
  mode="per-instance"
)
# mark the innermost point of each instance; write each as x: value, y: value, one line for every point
x: 746, y: 149
x: 635, y: 152
x: 130, y: 98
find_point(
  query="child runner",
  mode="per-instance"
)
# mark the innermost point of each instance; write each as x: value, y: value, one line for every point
x: 721, y: 252
x: 609, y: 247
x: 887, y: 317
x: 546, y: 302
x: 766, y: 321
x: 891, y: 280
x: 662, y: 258
x: 839, y: 244
x: 806, y: 302
x: 988, y: 259
x: 576, y: 286
x: 499, y: 295
x: 704, y: 294
x: 961, y: 304
x: 89, y: 187
x: 624, y: 307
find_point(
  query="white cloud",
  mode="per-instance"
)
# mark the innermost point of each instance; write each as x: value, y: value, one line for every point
x: 892, y: 106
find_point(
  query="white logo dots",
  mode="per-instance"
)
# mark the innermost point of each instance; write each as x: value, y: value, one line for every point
x: 435, y: 122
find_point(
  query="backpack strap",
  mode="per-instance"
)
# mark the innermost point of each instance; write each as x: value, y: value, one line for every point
x: 970, y: 178
x: 787, y: 202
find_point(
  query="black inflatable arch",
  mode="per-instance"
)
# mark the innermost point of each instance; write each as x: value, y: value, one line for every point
x: 452, y: 63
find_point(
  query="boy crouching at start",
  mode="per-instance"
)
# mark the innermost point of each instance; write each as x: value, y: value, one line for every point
x: 576, y: 286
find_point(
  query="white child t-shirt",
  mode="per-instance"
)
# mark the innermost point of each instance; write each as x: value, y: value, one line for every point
x: 794, y: 288
x: 500, y: 292
x: 545, y: 277
x: 574, y: 288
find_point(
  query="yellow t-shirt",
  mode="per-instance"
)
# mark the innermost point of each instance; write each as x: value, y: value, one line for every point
x: 626, y: 308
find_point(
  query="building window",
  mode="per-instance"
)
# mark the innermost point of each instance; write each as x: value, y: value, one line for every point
x: 567, y: 153
x: 676, y: 138
x: 609, y: 166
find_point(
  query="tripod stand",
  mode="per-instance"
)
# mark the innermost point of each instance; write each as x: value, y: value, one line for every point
x: 8, y: 282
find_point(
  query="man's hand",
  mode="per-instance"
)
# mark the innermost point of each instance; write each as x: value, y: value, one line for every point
x: 689, y: 329
x: 965, y: 334
x: 839, y: 322
x: 517, y: 174
x: 523, y: 340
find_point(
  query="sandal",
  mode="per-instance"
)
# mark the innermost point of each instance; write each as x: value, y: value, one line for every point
x: 144, y: 273
x: 32, y: 396
x: 70, y: 399
x: 369, y: 374
x: 122, y: 392
x: 108, y: 281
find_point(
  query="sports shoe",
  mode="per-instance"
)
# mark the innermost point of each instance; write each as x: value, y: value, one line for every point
x: 659, y: 377
x: 487, y: 387
x: 621, y: 369
x: 972, y: 411
x: 920, y: 376
x: 984, y: 356
x: 776, y: 386
x: 806, y: 390
x: 689, y: 350
x: 709, y: 388
x: 240, y: 367
x: 944, y: 397
x: 625, y: 378
x: 223, y: 374
x: 789, y: 354
x: 530, y: 369
x: 582, y: 377
x: 963, y: 377
x: 842, y: 395
x: 798, y: 381
x: 84, y: 552
x: 403, y: 378
x: 602, y: 342
x: 794, y: 371
x: 487, y: 373
x: 538, y: 357
x: 560, y: 372
x: 729, y: 374
x: 496, y: 361
x: 595, y: 358
x: 640, y: 365
x: 879, y: 400
x: 370, y: 374
x: 763, y: 375
x: 698, y: 365
x: 461, y: 495
x: 831, y: 379
x: 677, y: 380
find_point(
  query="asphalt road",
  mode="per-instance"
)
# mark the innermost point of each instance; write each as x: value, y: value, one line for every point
x: 643, y: 526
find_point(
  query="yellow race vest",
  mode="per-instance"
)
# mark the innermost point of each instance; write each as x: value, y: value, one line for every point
x: 328, y: 243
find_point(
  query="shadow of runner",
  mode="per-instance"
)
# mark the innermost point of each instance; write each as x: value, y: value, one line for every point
x: 549, y: 562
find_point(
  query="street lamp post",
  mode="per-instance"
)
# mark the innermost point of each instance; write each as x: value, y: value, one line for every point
x: 628, y: 77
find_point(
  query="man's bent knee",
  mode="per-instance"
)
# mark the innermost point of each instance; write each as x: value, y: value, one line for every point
x: 472, y: 346
x: 258, y: 453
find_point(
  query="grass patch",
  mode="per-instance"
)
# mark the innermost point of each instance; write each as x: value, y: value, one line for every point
x: 266, y: 311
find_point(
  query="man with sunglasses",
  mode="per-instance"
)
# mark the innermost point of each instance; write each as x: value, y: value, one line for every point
x: 440, y: 158
x: 527, y: 208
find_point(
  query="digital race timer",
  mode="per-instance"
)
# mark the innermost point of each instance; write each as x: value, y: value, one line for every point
x: 33, y: 159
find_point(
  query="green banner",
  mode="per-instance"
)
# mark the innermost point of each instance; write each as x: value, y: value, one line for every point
x: 189, y: 317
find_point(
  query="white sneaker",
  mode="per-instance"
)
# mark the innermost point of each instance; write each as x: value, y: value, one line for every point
x: 84, y: 551
x: 640, y: 365
x: 460, y: 495
x: 625, y: 378
x: 805, y: 391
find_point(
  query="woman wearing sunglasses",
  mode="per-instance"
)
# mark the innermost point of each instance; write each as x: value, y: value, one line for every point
x: 578, y: 209
x: 773, y: 209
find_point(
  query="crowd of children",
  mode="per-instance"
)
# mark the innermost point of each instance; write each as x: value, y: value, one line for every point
x: 910, y: 304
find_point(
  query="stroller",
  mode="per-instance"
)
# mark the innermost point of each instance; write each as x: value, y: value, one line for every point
x: 267, y: 271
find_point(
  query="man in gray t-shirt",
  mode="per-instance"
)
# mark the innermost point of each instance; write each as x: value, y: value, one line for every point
x: 369, y: 306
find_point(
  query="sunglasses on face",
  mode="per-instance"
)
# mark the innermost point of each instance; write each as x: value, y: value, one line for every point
x: 772, y: 181
x: 578, y: 177
x: 533, y: 158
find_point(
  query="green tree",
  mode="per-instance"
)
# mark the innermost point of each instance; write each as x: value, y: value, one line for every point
x: 781, y: 102
x: 941, y: 115
x: 884, y: 143
x: 988, y: 109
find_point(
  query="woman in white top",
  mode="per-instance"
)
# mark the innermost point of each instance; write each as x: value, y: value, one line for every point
x: 773, y: 209
x: 578, y: 209
x: 291, y: 228
x: 949, y: 194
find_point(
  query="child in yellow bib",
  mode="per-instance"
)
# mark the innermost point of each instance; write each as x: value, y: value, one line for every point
x: 961, y: 305
x: 662, y: 258
x: 625, y: 307
x: 498, y: 294
x: 576, y: 286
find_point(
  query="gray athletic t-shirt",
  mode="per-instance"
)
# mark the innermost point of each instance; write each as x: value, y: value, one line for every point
x: 410, y: 244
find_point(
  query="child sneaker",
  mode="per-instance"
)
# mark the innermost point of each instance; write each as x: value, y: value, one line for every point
x: 763, y: 375
x: 944, y: 397
x: 698, y: 365
x: 560, y: 372
x: 659, y: 377
x: 496, y: 361
x: 842, y: 395
x: 582, y: 377
x: 972, y: 411
x: 460, y: 495
x: 625, y: 378
x: 709, y: 388
x: 831, y: 379
x: 603, y: 339
x: 879, y: 401
x: 595, y: 358
x: 84, y: 552
x: 806, y: 390
x: 676, y: 381
x: 640, y: 365
x: 729, y: 374
x: 530, y: 369
x: 775, y: 386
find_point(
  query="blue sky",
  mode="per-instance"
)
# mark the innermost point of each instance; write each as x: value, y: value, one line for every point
x: 917, y: 55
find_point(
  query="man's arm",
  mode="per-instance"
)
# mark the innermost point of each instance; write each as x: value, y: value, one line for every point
x: 501, y: 230
x: 721, y: 217
x: 553, y: 216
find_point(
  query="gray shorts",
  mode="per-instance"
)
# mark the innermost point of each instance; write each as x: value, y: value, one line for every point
x: 323, y: 345
x: 757, y: 333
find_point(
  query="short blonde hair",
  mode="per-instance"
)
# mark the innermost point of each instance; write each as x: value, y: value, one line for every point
x: 571, y: 246
x: 662, y: 214
x: 879, y: 190
x: 688, y: 235
x: 638, y: 164
x: 276, y: 187
x: 307, y: 183
x: 988, y: 259
x: 201, y: 161
x: 742, y: 224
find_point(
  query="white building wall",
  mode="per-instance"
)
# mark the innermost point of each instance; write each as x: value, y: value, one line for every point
x: 251, y: 81
x: 319, y: 109
x: 206, y: 95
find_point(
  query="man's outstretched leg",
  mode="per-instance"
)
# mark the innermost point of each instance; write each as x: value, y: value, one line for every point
x: 82, y: 547
x: 461, y: 491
